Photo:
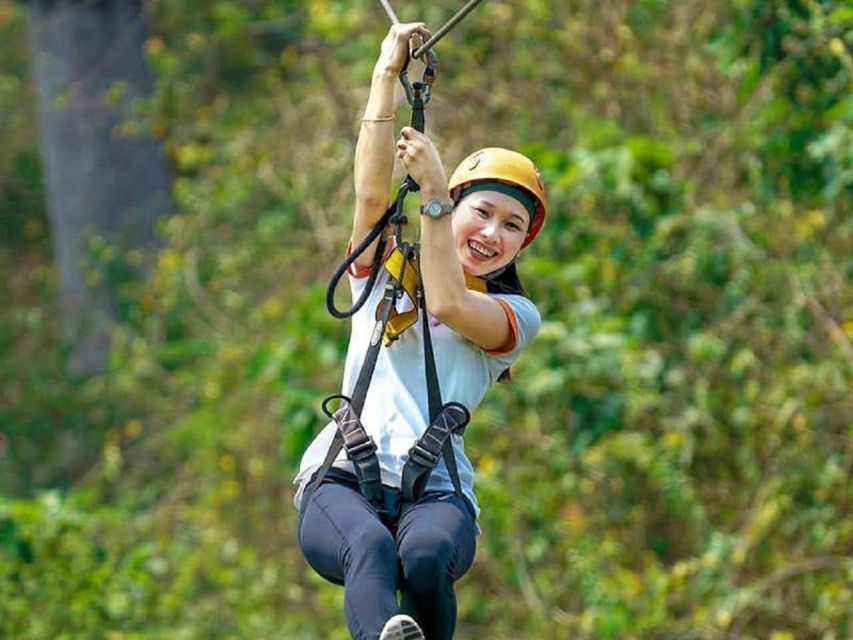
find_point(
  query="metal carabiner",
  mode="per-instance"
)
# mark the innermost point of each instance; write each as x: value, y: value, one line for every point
x: 422, y: 89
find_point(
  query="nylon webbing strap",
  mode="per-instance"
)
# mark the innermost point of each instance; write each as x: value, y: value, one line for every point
x: 444, y: 421
x: 433, y: 388
x: 418, y: 118
x: 360, y: 448
x: 359, y: 394
x: 425, y: 454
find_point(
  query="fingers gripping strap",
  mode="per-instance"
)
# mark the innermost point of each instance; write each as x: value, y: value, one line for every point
x: 424, y: 455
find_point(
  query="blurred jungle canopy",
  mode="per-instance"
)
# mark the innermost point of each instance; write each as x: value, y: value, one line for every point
x: 673, y: 458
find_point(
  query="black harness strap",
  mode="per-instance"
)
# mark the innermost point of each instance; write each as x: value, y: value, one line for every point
x: 426, y: 452
x: 444, y: 421
x: 350, y: 434
x: 361, y: 450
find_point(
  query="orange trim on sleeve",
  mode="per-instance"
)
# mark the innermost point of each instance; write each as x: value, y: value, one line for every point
x: 362, y: 272
x: 512, y: 339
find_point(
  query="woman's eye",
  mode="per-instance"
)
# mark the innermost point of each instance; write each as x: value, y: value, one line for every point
x: 514, y: 226
x: 482, y: 212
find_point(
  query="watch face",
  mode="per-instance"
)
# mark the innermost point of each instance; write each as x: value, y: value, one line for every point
x: 437, y: 209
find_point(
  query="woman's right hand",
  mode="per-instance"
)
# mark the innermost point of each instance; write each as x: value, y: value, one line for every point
x: 395, y: 47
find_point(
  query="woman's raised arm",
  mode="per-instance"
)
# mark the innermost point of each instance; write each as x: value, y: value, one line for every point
x: 374, y: 151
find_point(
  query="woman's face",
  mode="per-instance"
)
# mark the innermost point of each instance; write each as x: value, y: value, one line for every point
x: 489, y: 228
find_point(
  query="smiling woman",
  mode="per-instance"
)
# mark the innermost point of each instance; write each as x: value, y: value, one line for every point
x: 389, y: 510
x: 499, y: 209
x: 489, y: 228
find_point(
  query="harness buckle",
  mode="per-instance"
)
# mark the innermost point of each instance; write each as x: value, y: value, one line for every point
x: 423, y: 456
x: 361, y: 450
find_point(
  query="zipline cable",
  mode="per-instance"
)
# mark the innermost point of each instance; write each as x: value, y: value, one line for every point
x: 390, y: 11
x: 438, y: 35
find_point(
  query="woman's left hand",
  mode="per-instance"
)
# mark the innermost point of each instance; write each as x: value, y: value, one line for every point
x: 422, y: 162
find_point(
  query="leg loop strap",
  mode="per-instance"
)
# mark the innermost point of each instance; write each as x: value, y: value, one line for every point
x: 361, y: 450
x: 426, y: 452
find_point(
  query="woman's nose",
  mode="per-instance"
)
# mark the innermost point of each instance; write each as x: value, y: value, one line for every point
x: 490, y: 229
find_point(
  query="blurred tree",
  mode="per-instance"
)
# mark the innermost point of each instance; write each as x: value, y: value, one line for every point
x: 104, y: 179
x: 674, y: 457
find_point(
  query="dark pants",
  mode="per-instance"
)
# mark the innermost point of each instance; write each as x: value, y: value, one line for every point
x: 421, y: 555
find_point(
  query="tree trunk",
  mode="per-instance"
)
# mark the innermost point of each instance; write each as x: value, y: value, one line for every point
x: 98, y: 181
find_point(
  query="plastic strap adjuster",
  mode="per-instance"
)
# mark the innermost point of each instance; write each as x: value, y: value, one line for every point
x: 362, y: 449
x: 423, y: 456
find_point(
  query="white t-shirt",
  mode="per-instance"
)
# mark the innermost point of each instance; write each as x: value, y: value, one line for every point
x: 396, y: 410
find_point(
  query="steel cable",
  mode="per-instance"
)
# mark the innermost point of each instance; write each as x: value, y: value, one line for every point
x: 438, y: 35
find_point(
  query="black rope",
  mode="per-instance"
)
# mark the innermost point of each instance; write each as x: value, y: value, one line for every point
x: 350, y: 260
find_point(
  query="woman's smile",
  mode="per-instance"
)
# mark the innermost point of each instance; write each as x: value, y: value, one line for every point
x: 489, y: 228
x: 480, y: 251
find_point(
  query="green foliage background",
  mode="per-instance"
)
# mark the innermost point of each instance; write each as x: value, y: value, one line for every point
x: 674, y: 456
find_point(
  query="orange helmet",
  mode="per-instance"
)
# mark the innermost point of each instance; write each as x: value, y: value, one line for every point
x: 502, y: 165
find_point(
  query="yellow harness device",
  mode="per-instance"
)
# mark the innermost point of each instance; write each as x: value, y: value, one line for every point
x: 406, y: 272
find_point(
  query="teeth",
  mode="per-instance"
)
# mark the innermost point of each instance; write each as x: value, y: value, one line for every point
x: 482, y: 250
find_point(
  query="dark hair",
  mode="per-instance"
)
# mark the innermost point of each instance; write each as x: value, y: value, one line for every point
x: 506, y: 281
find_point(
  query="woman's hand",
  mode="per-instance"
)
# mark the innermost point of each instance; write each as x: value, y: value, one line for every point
x: 422, y: 162
x: 395, y: 47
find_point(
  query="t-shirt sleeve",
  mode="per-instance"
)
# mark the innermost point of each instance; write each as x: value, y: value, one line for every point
x: 358, y: 276
x: 524, y: 320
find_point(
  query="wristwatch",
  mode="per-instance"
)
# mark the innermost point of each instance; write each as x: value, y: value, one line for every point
x: 436, y: 208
